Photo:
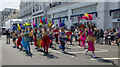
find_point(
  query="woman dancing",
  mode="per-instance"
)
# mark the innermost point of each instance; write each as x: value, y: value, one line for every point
x: 82, y: 36
x: 45, y: 40
x: 90, y: 40
x: 62, y: 39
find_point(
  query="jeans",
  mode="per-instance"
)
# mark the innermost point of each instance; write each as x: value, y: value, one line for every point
x: 106, y: 40
x: 109, y: 39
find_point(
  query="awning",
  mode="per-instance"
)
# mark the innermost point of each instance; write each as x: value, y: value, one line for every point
x: 61, y: 17
x: 83, y: 14
x: 114, y: 10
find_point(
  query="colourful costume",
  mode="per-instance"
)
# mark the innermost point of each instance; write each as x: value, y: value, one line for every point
x: 56, y: 35
x: 51, y: 37
x: 62, y: 41
x: 19, y: 41
x: 35, y: 38
x: 39, y: 40
x: 45, y: 41
x: 90, y: 41
x: 69, y: 34
x: 27, y: 40
x: 82, y: 38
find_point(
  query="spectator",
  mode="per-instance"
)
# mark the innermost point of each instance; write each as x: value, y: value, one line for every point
x: 109, y: 36
x: 7, y: 36
x: 106, y: 36
x: 101, y: 35
x: 112, y: 37
x: 97, y: 35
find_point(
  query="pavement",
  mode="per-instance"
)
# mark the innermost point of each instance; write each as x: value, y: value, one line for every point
x: 74, y: 55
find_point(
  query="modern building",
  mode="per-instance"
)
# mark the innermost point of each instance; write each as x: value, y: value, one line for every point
x: 26, y: 11
x: 105, y: 14
x: 6, y: 13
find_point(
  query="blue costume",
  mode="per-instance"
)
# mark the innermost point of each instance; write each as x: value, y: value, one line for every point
x: 27, y: 40
x: 62, y: 41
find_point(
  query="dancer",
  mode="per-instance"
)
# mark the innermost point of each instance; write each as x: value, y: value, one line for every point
x: 68, y: 38
x: 14, y: 39
x: 45, y: 40
x: 56, y: 34
x: 35, y: 38
x: 82, y: 36
x: 62, y: 39
x: 19, y: 41
x: 27, y: 40
x: 23, y: 40
x: 51, y: 36
x: 90, y: 40
x: 31, y: 35
x: 39, y: 38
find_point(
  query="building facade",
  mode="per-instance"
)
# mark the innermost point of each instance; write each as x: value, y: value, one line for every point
x: 105, y: 14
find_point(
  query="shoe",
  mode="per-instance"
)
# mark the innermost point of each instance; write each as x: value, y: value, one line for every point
x: 17, y: 47
x: 21, y: 48
x: 36, y: 48
x: 78, y: 44
x: 86, y: 52
x: 46, y: 52
x: 14, y: 46
x: 94, y: 56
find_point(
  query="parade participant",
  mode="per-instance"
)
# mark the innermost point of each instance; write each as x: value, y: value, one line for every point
x: 56, y: 34
x: 68, y: 37
x: 51, y: 36
x: 19, y: 41
x: 90, y: 40
x: 31, y: 35
x: 39, y: 38
x: 14, y: 38
x: 35, y: 38
x: 62, y: 39
x: 23, y: 40
x: 82, y: 36
x: 76, y: 34
x: 27, y: 40
x: 45, y: 40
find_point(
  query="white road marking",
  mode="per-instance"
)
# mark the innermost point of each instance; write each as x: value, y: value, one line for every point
x: 84, y: 51
x: 106, y: 58
x: 60, y: 53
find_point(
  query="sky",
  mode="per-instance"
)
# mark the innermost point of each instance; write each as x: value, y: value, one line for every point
x: 9, y: 4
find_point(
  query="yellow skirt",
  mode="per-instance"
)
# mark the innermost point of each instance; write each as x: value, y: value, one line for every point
x: 89, y: 38
x: 39, y: 42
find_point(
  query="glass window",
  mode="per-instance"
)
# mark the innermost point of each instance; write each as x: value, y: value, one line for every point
x: 115, y: 15
x: 119, y: 14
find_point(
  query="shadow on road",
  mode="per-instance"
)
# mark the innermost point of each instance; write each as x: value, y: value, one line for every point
x: 50, y: 56
x: 100, y: 59
x: 69, y: 54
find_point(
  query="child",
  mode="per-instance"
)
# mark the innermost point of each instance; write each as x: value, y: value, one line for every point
x: 56, y: 34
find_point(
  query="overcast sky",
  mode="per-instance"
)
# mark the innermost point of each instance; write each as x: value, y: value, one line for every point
x: 9, y: 4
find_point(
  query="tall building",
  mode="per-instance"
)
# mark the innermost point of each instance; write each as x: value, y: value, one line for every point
x: 105, y: 14
x: 26, y: 11
x: 5, y: 14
